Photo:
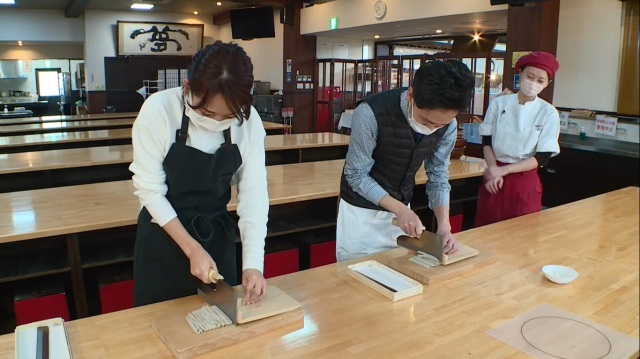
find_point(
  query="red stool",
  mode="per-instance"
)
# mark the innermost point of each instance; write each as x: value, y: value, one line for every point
x: 116, y: 296
x: 280, y: 263
x: 456, y: 223
x: 322, y: 254
x: 36, y: 305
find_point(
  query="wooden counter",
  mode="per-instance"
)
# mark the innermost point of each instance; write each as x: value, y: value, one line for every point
x: 65, y: 118
x: 344, y: 319
x: 62, y: 126
x: 61, y: 140
x: 64, y: 210
x: 273, y: 126
x: 105, y: 155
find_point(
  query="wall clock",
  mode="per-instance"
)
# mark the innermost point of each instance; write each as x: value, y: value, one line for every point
x: 380, y: 9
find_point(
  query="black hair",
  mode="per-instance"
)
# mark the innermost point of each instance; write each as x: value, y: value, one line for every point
x: 445, y: 85
x: 223, y: 68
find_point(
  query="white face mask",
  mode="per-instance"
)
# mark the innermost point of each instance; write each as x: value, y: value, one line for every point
x: 417, y: 126
x: 530, y: 88
x: 205, y: 122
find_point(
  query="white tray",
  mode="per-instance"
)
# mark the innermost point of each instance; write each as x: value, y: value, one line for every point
x: 384, y: 280
x: 26, y: 339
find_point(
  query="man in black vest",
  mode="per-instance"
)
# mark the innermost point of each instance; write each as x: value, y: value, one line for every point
x: 392, y: 134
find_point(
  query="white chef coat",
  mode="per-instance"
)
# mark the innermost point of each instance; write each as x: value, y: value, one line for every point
x: 364, y: 231
x: 519, y: 131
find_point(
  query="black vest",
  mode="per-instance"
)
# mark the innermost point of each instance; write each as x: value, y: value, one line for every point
x: 397, y: 156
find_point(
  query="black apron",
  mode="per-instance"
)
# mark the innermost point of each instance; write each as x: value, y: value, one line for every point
x: 199, y: 189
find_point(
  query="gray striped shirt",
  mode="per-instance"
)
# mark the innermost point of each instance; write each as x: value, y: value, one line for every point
x: 364, y: 135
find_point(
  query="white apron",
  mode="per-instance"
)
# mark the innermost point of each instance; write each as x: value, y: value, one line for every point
x: 362, y: 231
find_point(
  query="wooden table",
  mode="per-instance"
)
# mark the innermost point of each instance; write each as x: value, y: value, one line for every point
x: 43, y: 169
x: 65, y: 126
x: 273, y: 127
x: 79, y: 139
x: 344, y: 319
x: 61, y: 140
x: 57, y: 211
x: 65, y: 118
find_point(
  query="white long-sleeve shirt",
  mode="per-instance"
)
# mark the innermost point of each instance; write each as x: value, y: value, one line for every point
x: 153, y: 134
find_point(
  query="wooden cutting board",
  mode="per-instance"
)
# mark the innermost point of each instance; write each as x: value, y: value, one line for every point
x: 276, y: 313
x: 463, y: 261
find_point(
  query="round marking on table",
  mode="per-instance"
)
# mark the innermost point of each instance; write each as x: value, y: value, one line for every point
x: 559, y: 337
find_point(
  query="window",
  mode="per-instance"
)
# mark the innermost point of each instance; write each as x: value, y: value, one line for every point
x: 47, y: 82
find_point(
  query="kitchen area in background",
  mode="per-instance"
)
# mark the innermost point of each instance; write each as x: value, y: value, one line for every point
x: 41, y: 87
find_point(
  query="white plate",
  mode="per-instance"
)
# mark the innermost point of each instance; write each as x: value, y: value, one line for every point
x: 559, y: 274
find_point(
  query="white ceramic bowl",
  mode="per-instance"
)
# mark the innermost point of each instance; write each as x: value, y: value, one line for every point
x: 559, y: 274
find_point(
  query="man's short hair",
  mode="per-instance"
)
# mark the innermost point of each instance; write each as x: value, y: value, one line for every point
x: 445, y: 85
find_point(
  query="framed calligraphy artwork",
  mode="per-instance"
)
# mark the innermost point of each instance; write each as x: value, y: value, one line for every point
x: 159, y: 38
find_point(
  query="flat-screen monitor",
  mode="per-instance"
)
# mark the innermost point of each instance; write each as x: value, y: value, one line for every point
x: 252, y: 23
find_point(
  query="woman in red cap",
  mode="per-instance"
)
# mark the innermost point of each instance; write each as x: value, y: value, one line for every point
x: 519, y: 134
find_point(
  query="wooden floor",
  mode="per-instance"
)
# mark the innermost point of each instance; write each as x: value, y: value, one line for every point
x: 344, y: 319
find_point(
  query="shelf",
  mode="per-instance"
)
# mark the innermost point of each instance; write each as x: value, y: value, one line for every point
x: 23, y: 265
x: 281, y: 228
x: 106, y: 247
x: 100, y: 252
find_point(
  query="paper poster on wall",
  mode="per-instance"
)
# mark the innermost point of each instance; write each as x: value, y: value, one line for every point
x: 517, y: 55
x: 606, y: 125
x: 516, y: 82
x: 288, y: 65
x: 564, y: 120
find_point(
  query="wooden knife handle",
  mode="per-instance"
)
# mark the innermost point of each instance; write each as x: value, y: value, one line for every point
x: 214, y: 276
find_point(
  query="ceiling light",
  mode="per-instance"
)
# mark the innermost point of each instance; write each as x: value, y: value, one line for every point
x: 19, y: 43
x: 7, y: 2
x: 138, y: 6
x: 476, y: 37
x: 438, y: 31
x: 195, y: 13
x: 219, y: 3
x: 376, y: 36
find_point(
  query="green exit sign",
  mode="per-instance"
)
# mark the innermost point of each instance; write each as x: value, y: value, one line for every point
x: 333, y: 23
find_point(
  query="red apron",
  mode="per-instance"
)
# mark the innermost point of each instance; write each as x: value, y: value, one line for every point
x: 521, y: 194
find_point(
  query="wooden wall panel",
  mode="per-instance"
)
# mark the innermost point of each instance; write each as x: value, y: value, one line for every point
x: 530, y: 28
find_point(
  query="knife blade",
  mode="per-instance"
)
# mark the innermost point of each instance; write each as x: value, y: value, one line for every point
x: 223, y: 296
x: 428, y: 242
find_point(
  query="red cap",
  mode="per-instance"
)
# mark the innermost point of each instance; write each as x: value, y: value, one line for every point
x: 540, y: 59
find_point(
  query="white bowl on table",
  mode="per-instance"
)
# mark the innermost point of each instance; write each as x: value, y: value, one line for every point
x: 559, y: 274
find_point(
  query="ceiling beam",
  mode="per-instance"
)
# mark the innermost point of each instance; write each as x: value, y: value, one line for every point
x: 75, y: 8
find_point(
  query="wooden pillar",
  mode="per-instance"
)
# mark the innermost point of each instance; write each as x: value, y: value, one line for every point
x: 533, y: 27
x: 629, y: 60
x: 301, y: 50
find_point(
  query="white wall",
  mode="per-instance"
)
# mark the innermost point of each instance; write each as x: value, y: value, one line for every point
x: 329, y: 47
x: 352, y: 13
x: 100, y: 37
x: 589, y: 54
x: 266, y: 54
x: 40, y: 25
